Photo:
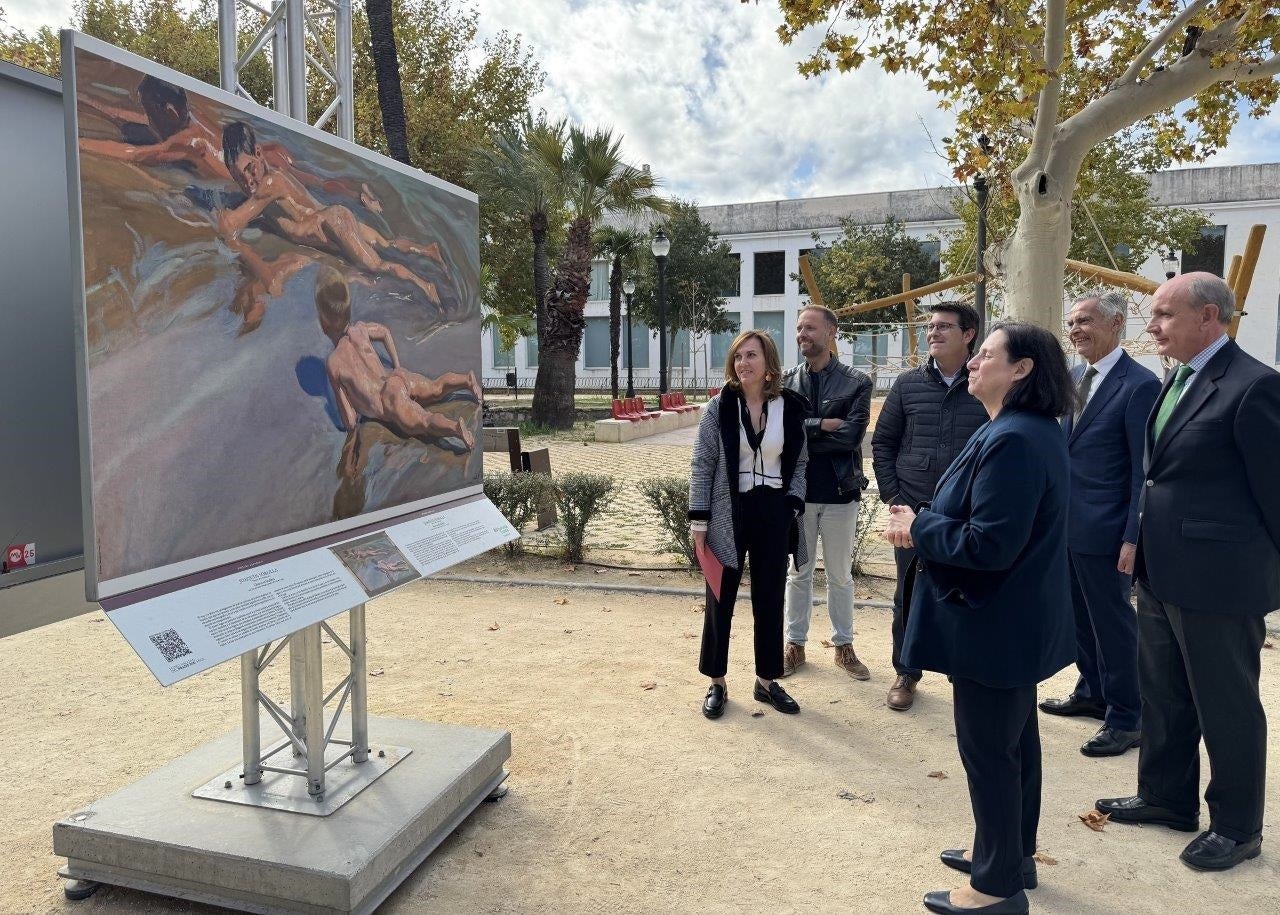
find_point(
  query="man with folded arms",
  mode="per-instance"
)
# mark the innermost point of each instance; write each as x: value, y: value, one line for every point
x: 1105, y: 441
x: 1208, y: 571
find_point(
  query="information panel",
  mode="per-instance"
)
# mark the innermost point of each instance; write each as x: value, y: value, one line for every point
x: 187, y: 631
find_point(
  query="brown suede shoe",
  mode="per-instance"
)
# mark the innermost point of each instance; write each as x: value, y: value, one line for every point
x: 902, y: 695
x: 792, y: 657
x: 847, y: 659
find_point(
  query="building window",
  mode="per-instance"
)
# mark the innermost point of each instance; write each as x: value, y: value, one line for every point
x: 773, y: 323
x: 639, y: 346
x: 804, y: 252
x: 599, y: 281
x: 734, y: 287
x: 1209, y: 253
x: 933, y: 250
x: 595, y: 349
x: 679, y: 355
x: 770, y: 273
x: 531, y: 351
x: 502, y: 358
x: 720, y: 342
x: 867, y: 350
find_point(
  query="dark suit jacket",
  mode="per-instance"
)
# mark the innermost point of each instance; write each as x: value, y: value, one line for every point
x: 1210, y: 534
x: 991, y: 600
x: 1106, y: 448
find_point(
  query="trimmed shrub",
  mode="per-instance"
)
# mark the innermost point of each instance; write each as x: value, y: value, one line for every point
x: 580, y: 498
x: 517, y: 496
x: 669, y: 496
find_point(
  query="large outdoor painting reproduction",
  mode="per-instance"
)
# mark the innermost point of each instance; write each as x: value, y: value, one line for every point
x: 282, y: 331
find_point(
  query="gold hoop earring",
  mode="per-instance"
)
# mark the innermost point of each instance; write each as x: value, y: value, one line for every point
x: 768, y: 377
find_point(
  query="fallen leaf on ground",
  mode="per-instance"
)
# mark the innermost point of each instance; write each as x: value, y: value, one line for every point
x: 494, y: 627
x: 1267, y: 644
x: 851, y: 796
x: 600, y: 571
x: 571, y: 568
x: 691, y: 635
x: 568, y: 631
x: 698, y: 608
x: 826, y: 644
x: 938, y: 774
x: 1045, y: 859
x: 648, y: 684
x: 561, y: 601
x: 757, y: 714
x: 1094, y: 820
x: 635, y: 574
x: 376, y: 672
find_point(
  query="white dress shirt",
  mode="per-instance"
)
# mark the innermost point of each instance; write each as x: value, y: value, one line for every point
x: 1102, y: 367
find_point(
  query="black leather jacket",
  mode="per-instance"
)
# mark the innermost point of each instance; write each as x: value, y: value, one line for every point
x: 845, y: 395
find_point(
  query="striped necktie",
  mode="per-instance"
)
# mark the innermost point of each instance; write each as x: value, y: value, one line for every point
x: 1171, y: 398
x: 1082, y: 393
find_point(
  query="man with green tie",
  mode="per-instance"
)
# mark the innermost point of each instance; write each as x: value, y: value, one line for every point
x: 1208, y: 572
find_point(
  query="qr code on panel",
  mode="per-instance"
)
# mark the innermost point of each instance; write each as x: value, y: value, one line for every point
x: 170, y: 644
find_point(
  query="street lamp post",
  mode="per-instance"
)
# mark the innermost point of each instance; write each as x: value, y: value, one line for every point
x: 661, y: 247
x: 1170, y: 264
x: 629, y: 289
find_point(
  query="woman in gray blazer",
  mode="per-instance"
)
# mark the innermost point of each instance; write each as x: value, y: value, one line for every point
x: 746, y: 490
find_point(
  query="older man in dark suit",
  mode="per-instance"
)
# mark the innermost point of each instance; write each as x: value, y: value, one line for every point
x: 1208, y: 571
x: 1105, y: 436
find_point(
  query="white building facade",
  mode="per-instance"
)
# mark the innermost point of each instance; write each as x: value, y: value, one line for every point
x: 768, y: 238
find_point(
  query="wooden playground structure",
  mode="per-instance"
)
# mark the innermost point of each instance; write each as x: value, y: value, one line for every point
x: 1239, y: 277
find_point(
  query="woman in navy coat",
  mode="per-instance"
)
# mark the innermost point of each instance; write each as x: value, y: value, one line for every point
x: 990, y: 602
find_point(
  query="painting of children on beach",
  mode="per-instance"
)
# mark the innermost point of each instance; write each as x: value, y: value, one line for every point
x: 282, y: 332
x: 376, y: 563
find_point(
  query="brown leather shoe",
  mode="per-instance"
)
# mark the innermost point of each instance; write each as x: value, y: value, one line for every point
x: 792, y: 657
x: 847, y: 659
x: 902, y: 695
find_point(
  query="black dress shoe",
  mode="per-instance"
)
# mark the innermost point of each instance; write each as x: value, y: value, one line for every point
x: 1110, y: 742
x: 1212, y: 852
x: 1136, y: 810
x: 940, y: 901
x: 1074, y: 707
x: 954, y: 858
x: 717, y: 698
x: 776, y: 696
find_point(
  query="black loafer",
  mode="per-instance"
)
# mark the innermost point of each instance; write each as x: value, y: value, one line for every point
x: 776, y: 696
x: 1074, y: 707
x: 1136, y: 810
x: 717, y: 698
x: 1212, y: 852
x: 1110, y: 742
x: 940, y: 901
x: 954, y: 859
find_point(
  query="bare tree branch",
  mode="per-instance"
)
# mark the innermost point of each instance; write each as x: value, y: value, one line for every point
x: 1156, y: 44
x: 1248, y: 72
x: 1046, y: 122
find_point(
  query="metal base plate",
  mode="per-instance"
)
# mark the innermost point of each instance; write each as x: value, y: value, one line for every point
x: 289, y: 792
x: 155, y: 836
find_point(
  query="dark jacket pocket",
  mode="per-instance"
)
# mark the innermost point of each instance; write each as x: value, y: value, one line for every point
x: 1218, y: 530
x: 913, y: 461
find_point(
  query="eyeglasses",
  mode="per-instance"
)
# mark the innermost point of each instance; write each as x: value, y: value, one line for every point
x: 940, y: 327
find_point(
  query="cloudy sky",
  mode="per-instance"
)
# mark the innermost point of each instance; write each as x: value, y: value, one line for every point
x: 703, y: 91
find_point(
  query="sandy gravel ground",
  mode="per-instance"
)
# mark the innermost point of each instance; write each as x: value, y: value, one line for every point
x: 623, y: 799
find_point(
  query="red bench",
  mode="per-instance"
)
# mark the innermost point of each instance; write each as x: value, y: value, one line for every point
x: 619, y: 411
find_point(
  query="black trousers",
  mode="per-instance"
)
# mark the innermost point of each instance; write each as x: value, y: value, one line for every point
x: 1106, y: 638
x: 999, y: 739
x: 903, y: 558
x: 1199, y: 677
x: 766, y: 524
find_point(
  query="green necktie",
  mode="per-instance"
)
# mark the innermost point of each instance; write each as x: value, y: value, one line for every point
x: 1171, y: 398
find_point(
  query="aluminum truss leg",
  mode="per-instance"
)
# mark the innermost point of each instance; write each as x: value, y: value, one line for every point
x: 251, y: 734
x: 359, y: 687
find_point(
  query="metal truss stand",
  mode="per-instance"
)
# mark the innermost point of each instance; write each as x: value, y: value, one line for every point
x: 253, y: 854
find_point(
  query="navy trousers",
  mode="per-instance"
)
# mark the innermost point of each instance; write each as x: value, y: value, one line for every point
x: 1106, y: 638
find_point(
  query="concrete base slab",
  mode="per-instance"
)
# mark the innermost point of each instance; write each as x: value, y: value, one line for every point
x: 154, y: 835
x: 621, y: 430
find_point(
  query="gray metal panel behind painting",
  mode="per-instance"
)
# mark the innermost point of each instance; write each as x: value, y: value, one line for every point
x: 39, y: 450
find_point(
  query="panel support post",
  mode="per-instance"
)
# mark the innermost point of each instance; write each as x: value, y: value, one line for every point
x: 359, y: 687
x: 251, y: 736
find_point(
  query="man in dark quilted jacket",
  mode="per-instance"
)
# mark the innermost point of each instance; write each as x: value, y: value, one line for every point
x: 927, y: 418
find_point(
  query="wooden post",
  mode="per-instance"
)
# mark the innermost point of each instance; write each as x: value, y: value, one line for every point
x: 940, y: 286
x: 1244, y: 278
x: 910, y: 305
x: 810, y: 282
x: 1233, y: 271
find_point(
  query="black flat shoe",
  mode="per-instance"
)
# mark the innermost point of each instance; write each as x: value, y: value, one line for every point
x: 1110, y: 742
x: 1136, y: 810
x: 717, y: 699
x: 1074, y: 707
x: 776, y: 696
x: 1212, y: 852
x: 940, y: 901
x: 954, y: 859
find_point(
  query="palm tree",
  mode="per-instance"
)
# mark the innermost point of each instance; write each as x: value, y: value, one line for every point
x: 514, y: 179
x: 620, y: 247
x: 386, y: 67
x: 596, y: 181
